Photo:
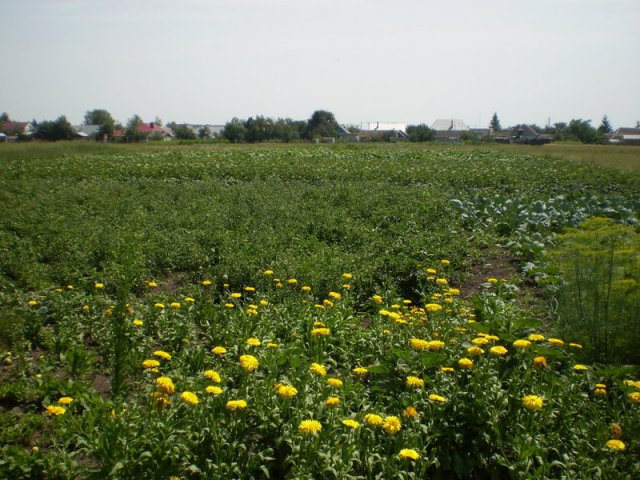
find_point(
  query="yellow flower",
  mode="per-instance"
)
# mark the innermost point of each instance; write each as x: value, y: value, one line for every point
x: 189, y: 397
x: 347, y: 276
x: 479, y: 341
x: 309, y: 427
x: 165, y: 384
x: 539, y: 362
x: 318, y: 369
x: 442, y: 281
x: 335, y: 295
x: 99, y: 285
x: 632, y: 383
x: 447, y: 370
x: 65, y: 400
x: 287, y: 391
x: 162, y: 401
x: 152, y: 284
x: 236, y: 295
x: 575, y: 345
x: 162, y: 354
x: 54, y: 410
x: 150, y: 363
x: 249, y: 363
x: 350, y: 423
x: 634, y: 397
x: 522, y: 343
x: 306, y: 288
x: 601, y: 385
x: 492, y: 280
x: 249, y: 289
x: 414, y: 382
x: 213, y: 376
x: 327, y: 303
x: 433, y: 307
x: 532, y: 402
x: 498, y: 351
x: 445, y: 261
x: 272, y: 345
x: 536, y: 337
x: 206, y: 283
x: 86, y: 308
x: 418, y: 344
x: 617, y: 445
x: 408, y: 454
x: 465, y: 363
x: 360, y: 371
x: 410, y: 412
x: 175, y: 305
x: 475, y: 351
x: 391, y: 425
x: 334, y: 382
x: 435, y: 345
x: 377, y: 299
x: 213, y: 390
x: 190, y: 299
x: 373, y: 420
x: 264, y: 303
x: 332, y: 402
x: 556, y: 342
x: 437, y: 398
x: 431, y: 271
x: 159, y: 305
x: 229, y: 305
x: 292, y: 281
x: 268, y: 273
x: 138, y: 323
x: 253, y: 342
x: 600, y: 392
x: 580, y: 367
x: 234, y: 405
x: 320, y: 332
x: 218, y: 350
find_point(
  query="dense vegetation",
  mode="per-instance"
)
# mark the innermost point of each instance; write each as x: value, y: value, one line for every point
x: 343, y: 284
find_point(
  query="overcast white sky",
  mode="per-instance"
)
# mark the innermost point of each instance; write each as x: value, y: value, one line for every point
x: 206, y: 61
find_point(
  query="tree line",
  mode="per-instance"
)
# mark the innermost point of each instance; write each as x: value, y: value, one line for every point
x: 322, y: 123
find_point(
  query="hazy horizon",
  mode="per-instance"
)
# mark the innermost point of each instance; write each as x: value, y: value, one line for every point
x: 412, y: 61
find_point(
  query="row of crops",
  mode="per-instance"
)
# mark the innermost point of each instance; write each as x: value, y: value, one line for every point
x: 304, y: 313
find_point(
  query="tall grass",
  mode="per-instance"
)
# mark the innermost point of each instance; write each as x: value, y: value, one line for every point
x: 599, y: 299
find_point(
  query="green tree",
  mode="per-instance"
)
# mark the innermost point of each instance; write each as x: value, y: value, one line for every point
x: 131, y: 131
x: 182, y: 132
x: 495, y: 123
x: 605, y: 126
x: 234, y: 131
x: 420, y: 133
x: 104, y: 119
x: 52, y: 131
x: 204, y: 133
x: 4, y: 117
x: 259, y: 129
x: 583, y: 131
x: 321, y: 124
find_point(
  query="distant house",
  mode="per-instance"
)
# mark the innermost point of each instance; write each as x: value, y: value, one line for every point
x: 385, y: 131
x: 15, y: 130
x: 449, y: 129
x: 153, y: 131
x: 87, y: 132
x: 626, y: 136
x: 526, y: 134
x: 346, y: 135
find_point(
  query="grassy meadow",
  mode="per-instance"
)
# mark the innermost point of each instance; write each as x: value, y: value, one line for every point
x: 311, y: 311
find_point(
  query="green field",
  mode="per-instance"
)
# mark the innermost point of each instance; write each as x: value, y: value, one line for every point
x: 409, y: 264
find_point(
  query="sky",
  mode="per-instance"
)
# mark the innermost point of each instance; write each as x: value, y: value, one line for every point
x: 410, y: 61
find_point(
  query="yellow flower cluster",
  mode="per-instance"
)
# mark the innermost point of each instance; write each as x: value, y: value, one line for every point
x: 249, y: 363
x: 532, y: 402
